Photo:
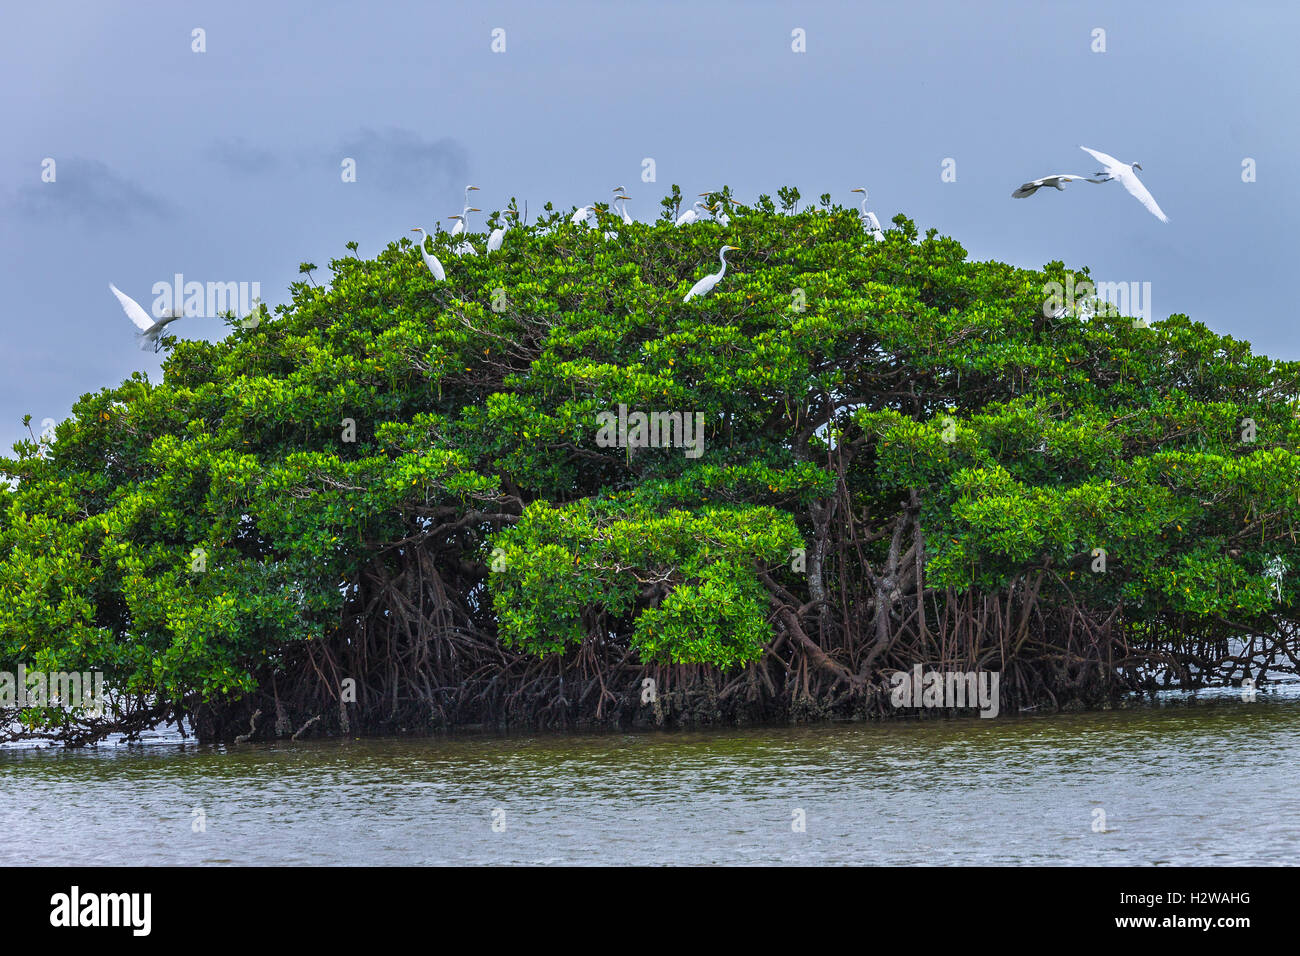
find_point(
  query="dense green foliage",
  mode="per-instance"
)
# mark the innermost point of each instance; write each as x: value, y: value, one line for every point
x: 185, y: 536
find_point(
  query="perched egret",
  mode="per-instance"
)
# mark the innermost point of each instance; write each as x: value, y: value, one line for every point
x: 1057, y: 181
x: 705, y: 285
x: 430, y: 260
x: 622, y: 210
x: 150, y: 333
x: 1114, y: 169
x: 464, y: 248
x: 499, y: 233
x: 690, y: 215
x: 718, y: 210
x: 583, y: 214
x: 460, y: 226
x: 721, y: 204
x: 869, y: 221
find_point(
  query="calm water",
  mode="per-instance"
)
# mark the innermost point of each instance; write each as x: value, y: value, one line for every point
x: 1204, y: 780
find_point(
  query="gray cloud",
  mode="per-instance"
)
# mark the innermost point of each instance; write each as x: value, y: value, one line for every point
x: 401, y: 161
x: 90, y: 190
x: 397, y: 161
x: 242, y: 157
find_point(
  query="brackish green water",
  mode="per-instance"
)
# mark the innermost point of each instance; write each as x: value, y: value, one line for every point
x: 1208, y: 780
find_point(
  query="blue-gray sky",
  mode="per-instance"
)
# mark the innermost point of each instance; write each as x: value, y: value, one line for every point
x: 224, y: 165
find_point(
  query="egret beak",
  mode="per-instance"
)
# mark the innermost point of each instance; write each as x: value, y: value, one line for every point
x: 471, y: 187
x: 474, y: 209
x: 857, y: 190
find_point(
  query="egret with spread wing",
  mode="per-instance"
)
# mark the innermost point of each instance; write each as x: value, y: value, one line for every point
x: 150, y: 333
x: 1114, y: 169
x: 1058, y: 181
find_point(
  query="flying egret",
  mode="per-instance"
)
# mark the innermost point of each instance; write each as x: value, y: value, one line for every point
x: 705, y: 285
x: 1057, y: 181
x: 150, y: 333
x: 499, y: 233
x: 690, y: 215
x: 869, y: 221
x: 464, y: 248
x: 430, y: 260
x: 1114, y: 169
x: 460, y: 226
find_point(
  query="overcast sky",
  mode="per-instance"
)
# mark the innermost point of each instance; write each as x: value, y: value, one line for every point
x: 225, y: 165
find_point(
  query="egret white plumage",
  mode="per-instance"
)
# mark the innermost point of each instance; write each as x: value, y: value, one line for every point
x: 715, y: 210
x: 719, y: 210
x: 690, y: 215
x: 499, y: 233
x: 705, y: 285
x: 868, y: 219
x: 463, y: 248
x: 151, y: 331
x: 461, y: 226
x: 430, y: 260
x: 622, y: 210
x: 1057, y: 181
x: 1114, y: 169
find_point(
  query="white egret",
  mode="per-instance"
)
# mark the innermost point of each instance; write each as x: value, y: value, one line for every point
x: 464, y: 248
x: 460, y: 226
x: 1057, y: 181
x: 718, y: 210
x: 430, y: 260
x: 583, y: 214
x: 690, y: 215
x: 1114, y: 169
x: 151, y: 331
x: 622, y: 210
x: 869, y: 221
x: 705, y: 285
x: 499, y: 233
x: 713, y: 210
